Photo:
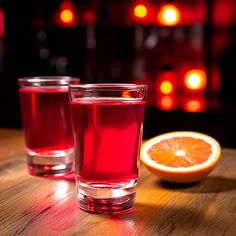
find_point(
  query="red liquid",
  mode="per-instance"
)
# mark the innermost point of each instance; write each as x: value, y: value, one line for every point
x: 107, y: 138
x: 46, y: 118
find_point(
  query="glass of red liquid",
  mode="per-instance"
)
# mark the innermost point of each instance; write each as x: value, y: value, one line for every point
x: 107, y: 122
x: 45, y: 109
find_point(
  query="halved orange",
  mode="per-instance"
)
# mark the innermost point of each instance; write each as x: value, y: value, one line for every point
x: 182, y: 156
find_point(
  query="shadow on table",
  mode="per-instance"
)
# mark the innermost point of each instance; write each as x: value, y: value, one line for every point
x: 211, y: 184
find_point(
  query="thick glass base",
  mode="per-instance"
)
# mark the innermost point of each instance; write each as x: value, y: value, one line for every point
x: 50, y: 163
x: 106, y: 198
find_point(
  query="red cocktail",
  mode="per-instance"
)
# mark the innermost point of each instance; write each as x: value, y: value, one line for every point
x: 47, y: 124
x: 107, y: 127
x: 108, y: 134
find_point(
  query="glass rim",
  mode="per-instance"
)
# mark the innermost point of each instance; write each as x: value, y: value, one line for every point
x: 46, y: 79
x: 109, y: 85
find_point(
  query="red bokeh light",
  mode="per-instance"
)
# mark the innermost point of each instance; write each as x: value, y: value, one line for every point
x: 169, y: 15
x: 195, y: 80
x: 89, y: 17
x: 143, y: 12
x: 223, y: 13
x: 166, y: 102
x: 1, y: 23
x: 140, y: 11
x: 166, y: 83
x: 194, y: 104
x: 66, y: 15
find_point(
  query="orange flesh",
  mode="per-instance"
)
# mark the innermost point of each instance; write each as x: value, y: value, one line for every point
x: 180, y: 152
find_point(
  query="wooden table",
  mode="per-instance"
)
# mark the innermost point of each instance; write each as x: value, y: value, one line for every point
x: 38, y: 206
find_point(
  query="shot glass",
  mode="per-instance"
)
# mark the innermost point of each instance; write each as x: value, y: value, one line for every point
x: 45, y: 109
x: 107, y: 121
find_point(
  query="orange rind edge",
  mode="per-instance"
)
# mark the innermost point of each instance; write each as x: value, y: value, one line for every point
x: 183, y: 175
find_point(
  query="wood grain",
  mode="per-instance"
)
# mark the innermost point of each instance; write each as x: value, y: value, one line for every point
x: 38, y: 206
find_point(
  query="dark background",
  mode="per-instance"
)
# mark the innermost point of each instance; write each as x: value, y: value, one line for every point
x: 111, y: 45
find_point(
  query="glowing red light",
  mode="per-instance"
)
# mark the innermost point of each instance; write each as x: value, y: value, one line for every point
x: 1, y: 23
x: 169, y: 15
x: 140, y: 11
x: 195, y: 80
x: 194, y: 104
x: 67, y: 16
x: 166, y: 83
x: 167, y: 102
x: 89, y: 17
x: 166, y: 87
x: 143, y: 12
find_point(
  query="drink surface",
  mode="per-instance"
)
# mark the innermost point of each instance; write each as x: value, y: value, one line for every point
x: 108, y: 133
x: 46, y: 118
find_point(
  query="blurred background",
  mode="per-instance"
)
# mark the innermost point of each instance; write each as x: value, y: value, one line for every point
x: 184, y: 50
